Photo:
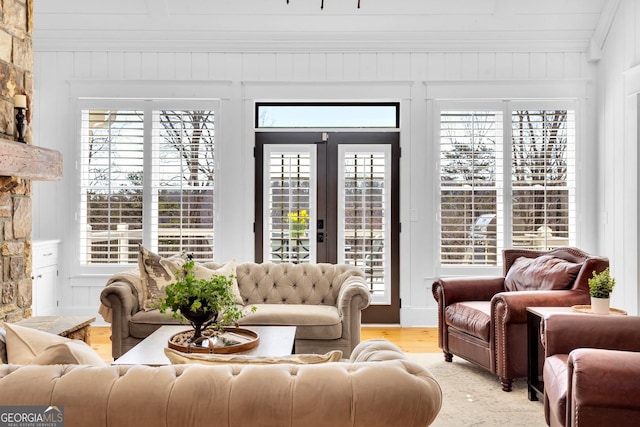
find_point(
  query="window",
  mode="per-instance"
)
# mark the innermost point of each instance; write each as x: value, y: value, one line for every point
x: 335, y: 115
x: 487, y: 155
x: 147, y: 176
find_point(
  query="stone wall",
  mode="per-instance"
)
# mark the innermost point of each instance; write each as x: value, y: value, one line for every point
x: 16, y: 77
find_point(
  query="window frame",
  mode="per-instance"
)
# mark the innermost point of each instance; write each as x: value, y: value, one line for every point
x: 504, y: 205
x: 148, y: 106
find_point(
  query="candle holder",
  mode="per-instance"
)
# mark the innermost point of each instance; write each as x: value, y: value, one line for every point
x: 20, y: 124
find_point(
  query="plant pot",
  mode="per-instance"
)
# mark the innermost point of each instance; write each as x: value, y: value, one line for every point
x: 600, y: 305
x: 199, y: 320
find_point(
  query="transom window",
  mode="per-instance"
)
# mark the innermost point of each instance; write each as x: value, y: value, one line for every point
x: 507, y: 179
x: 147, y: 177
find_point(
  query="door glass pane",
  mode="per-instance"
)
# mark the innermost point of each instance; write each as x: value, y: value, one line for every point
x: 364, y: 216
x: 289, y: 205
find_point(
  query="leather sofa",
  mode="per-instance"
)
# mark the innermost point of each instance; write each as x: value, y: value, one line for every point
x: 324, y: 301
x: 484, y: 319
x: 377, y: 386
x: 591, y: 371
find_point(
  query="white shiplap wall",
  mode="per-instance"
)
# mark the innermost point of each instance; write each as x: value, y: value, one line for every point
x: 413, y: 78
x: 618, y: 116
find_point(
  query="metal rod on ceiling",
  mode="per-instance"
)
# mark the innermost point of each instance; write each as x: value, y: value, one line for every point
x: 322, y: 4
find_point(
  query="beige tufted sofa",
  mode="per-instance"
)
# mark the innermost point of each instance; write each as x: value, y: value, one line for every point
x: 324, y: 301
x: 378, y: 386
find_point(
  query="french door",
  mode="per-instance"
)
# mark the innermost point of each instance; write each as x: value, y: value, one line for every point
x: 332, y: 197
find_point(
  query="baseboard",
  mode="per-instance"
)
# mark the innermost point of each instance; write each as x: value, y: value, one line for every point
x: 419, y: 317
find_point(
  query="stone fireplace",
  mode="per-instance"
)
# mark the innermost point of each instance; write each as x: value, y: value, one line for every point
x: 19, y: 163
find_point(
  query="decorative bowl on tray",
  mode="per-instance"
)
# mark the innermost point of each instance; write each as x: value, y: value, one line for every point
x: 214, y: 341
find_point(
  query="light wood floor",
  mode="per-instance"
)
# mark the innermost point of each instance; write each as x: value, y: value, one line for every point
x: 410, y: 340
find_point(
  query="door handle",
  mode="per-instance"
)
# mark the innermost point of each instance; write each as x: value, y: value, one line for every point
x: 320, y: 238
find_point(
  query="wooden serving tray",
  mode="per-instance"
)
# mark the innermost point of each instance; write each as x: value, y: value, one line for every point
x: 587, y: 309
x: 232, y: 340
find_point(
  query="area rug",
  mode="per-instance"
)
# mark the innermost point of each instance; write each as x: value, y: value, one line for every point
x: 474, y: 397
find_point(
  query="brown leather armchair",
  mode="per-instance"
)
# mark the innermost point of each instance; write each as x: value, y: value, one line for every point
x: 591, y: 386
x: 483, y: 319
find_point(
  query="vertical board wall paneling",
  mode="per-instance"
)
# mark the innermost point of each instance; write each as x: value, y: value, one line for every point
x: 166, y: 66
x: 115, y: 67
x: 82, y: 65
x: 132, y: 66
x: 317, y: 67
x: 521, y: 69
x: 200, y: 65
x: 469, y: 66
x: 487, y: 66
x: 335, y: 67
x: 297, y: 67
x: 149, y: 66
x: 99, y: 63
x: 183, y: 66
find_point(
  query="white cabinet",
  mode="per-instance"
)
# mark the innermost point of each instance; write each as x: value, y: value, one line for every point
x: 45, y: 277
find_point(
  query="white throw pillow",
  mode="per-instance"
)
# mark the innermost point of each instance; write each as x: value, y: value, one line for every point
x: 157, y: 272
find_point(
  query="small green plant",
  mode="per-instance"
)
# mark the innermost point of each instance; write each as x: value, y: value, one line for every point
x: 601, y: 285
x: 298, y: 223
x: 209, y: 295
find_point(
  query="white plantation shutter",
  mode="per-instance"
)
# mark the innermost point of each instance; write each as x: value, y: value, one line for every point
x: 470, y: 178
x: 289, y: 205
x: 364, y: 214
x: 535, y: 152
x: 111, y: 185
x: 543, y: 178
x: 147, y: 177
x: 183, y: 182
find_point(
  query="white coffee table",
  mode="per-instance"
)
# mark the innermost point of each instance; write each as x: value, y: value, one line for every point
x: 275, y: 341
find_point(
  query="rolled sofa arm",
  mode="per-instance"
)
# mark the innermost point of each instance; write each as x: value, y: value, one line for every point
x: 603, y: 388
x: 120, y: 299
x: 354, y: 296
x: 353, y: 290
x: 564, y: 332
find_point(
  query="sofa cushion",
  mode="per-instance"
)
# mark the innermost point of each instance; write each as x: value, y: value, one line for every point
x: 31, y: 346
x: 157, y: 272
x: 545, y: 272
x: 312, y: 321
x: 472, y: 317
x: 178, y: 358
x: 555, y: 386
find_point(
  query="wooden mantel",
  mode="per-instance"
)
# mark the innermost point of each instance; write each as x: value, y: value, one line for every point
x: 29, y: 161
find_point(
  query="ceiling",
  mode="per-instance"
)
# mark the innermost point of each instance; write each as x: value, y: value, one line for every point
x: 446, y: 25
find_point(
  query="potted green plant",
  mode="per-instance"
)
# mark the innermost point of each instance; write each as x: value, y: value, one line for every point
x: 600, y: 288
x: 203, y: 302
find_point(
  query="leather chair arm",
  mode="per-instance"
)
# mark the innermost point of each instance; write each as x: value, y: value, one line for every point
x: 449, y: 290
x: 603, y: 387
x: 516, y: 303
x: 564, y: 332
